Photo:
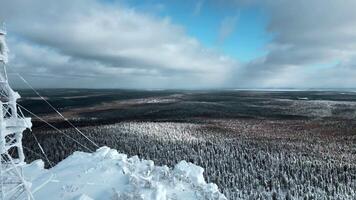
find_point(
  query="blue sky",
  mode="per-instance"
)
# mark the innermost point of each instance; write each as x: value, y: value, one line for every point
x: 247, y: 40
x: 182, y: 44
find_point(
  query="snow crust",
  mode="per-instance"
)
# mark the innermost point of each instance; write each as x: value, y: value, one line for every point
x: 108, y: 175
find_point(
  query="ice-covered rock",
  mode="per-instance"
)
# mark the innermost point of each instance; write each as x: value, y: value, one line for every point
x: 84, y: 197
x: 107, y: 174
x: 191, y: 171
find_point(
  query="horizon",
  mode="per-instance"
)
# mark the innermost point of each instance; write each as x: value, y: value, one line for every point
x: 174, y: 99
x: 200, y: 89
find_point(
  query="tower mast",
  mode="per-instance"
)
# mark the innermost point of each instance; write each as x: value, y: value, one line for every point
x: 12, y: 124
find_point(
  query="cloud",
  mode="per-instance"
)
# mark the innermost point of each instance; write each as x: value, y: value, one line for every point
x: 198, y: 6
x: 322, y: 28
x: 306, y: 35
x: 88, y: 43
x: 227, y: 27
x: 110, y: 45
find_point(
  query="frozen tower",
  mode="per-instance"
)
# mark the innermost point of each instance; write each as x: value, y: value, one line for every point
x: 12, y: 124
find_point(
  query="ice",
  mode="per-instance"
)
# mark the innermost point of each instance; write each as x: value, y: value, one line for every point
x: 109, y: 175
x: 84, y: 197
x: 193, y: 172
x: 3, y: 48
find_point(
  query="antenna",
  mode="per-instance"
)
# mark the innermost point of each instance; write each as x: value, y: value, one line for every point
x: 12, y: 124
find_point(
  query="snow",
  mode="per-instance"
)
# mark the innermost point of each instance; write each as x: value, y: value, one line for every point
x: 193, y: 172
x: 3, y: 48
x: 107, y: 174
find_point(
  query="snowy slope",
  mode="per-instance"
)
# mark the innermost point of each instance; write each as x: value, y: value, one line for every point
x: 106, y: 174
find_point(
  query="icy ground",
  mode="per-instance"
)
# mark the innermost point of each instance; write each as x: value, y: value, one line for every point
x: 106, y: 174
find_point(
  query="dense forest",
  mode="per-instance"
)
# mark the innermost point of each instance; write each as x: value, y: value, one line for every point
x: 244, y: 166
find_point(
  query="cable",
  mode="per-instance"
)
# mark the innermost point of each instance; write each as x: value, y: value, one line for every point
x: 38, y: 143
x: 40, y: 146
x: 60, y: 114
x: 30, y: 150
x: 55, y: 128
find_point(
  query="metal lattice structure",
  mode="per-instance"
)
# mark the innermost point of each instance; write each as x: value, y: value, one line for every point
x: 12, y: 124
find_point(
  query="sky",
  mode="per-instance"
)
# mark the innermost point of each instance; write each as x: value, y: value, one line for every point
x: 181, y: 44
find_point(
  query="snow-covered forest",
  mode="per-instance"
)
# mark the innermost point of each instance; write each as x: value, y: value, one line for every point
x: 253, y: 163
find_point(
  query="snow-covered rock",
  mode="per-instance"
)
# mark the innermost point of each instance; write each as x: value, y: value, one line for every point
x: 106, y: 174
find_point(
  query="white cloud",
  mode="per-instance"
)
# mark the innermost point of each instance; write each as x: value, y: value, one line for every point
x: 107, y: 42
x: 307, y: 33
x: 85, y: 43
x: 227, y: 27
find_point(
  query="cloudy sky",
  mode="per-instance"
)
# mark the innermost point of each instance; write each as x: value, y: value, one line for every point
x: 182, y: 44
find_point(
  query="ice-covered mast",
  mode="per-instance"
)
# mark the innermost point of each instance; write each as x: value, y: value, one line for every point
x: 12, y: 125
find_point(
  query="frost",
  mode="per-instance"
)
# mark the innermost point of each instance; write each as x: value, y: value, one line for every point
x: 106, y: 174
x: 3, y: 48
x: 84, y: 197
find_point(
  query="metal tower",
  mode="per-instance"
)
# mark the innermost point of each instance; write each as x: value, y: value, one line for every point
x: 12, y: 124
